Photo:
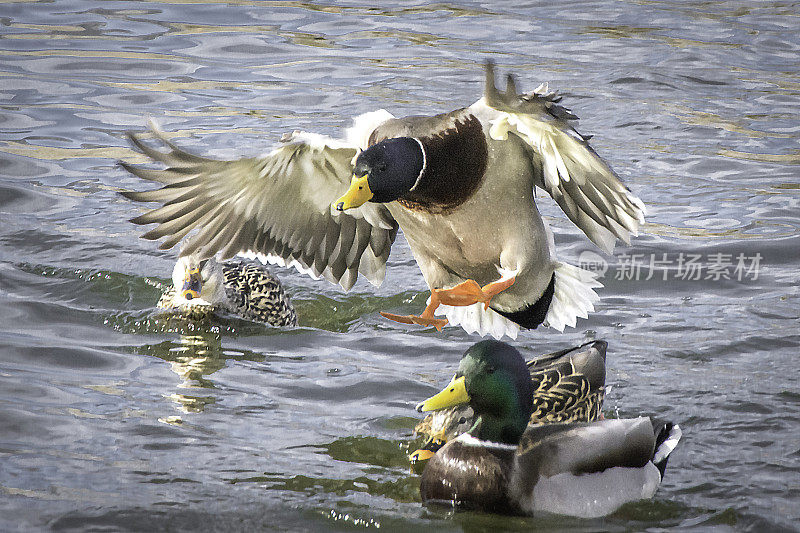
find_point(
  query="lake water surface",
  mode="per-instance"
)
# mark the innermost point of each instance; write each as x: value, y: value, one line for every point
x: 112, y: 418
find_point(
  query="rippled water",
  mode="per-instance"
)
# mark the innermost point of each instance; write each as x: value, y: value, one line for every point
x: 115, y: 418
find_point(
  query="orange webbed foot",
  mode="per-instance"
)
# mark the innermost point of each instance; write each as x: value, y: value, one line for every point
x: 469, y: 292
x: 465, y: 293
x: 425, y: 319
x: 421, y: 320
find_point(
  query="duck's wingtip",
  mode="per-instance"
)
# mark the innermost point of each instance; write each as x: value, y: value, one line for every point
x: 153, y: 125
x: 490, y: 89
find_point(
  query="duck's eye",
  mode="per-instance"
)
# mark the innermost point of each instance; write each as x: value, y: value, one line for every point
x: 462, y: 420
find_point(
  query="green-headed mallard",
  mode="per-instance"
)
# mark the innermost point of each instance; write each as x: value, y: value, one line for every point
x: 568, y: 386
x: 460, y: 185
x: 245, y: 289
x: 503, y: 465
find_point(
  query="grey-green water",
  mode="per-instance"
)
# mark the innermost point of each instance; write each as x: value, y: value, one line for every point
x: 112, y: 418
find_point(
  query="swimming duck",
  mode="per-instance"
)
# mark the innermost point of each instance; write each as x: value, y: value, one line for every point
x: 502, y: 465
x: 459, y: 184
x: 568, y: 386
x: 245, y: 289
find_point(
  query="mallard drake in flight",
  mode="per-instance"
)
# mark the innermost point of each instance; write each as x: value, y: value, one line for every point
x: 460, y: 185
x: 568, y: 386
x: 504, y: 465
x: 245, y: 289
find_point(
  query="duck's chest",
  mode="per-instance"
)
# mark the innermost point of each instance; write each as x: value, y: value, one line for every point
x: 469, y: 477
x: 499, y: 220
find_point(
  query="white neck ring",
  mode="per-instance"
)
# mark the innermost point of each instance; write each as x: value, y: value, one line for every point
x: 424, y: 164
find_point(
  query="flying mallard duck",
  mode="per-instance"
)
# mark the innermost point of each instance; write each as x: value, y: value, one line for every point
x: 568, y: 386
x: 503, y: 465
x: 459, y: 184
x: 245, y: 289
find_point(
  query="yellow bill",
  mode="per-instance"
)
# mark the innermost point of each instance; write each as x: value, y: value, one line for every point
x: 420, y: 455
x: 454, y: 394
x: 358, y: 194
x: 192, y: 284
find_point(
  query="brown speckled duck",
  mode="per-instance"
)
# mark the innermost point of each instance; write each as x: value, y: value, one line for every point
x: 245, y: 289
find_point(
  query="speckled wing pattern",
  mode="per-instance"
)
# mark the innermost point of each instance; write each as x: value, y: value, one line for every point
x: 562, y: 395
x: 278, y: 205
x: 253, y: 293
x: 584, y: 186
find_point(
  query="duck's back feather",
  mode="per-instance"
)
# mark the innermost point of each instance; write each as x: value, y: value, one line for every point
x: 588, y: 360
x: 255, y: 294
x: 569, y: 387
x: 586, y: 448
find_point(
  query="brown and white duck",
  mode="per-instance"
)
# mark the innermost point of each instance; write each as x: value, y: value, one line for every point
x: 460, y: 185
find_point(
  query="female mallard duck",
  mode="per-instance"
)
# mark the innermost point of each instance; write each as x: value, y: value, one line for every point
x: 459, y: 184
x: 568, y: 386
x: 502, y: 465
x: 242, y: 288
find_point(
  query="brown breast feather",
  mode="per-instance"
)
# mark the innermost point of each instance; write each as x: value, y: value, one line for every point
x: 470, y: 477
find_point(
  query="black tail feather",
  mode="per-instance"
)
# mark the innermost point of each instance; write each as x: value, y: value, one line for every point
x: 667, y: 437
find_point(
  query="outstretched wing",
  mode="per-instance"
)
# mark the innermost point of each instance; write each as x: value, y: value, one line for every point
x: 278, y: 205
x: 582, y: 184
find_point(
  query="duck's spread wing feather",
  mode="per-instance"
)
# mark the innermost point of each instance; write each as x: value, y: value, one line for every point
x: 582, y: 184
x: 278, y: 205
